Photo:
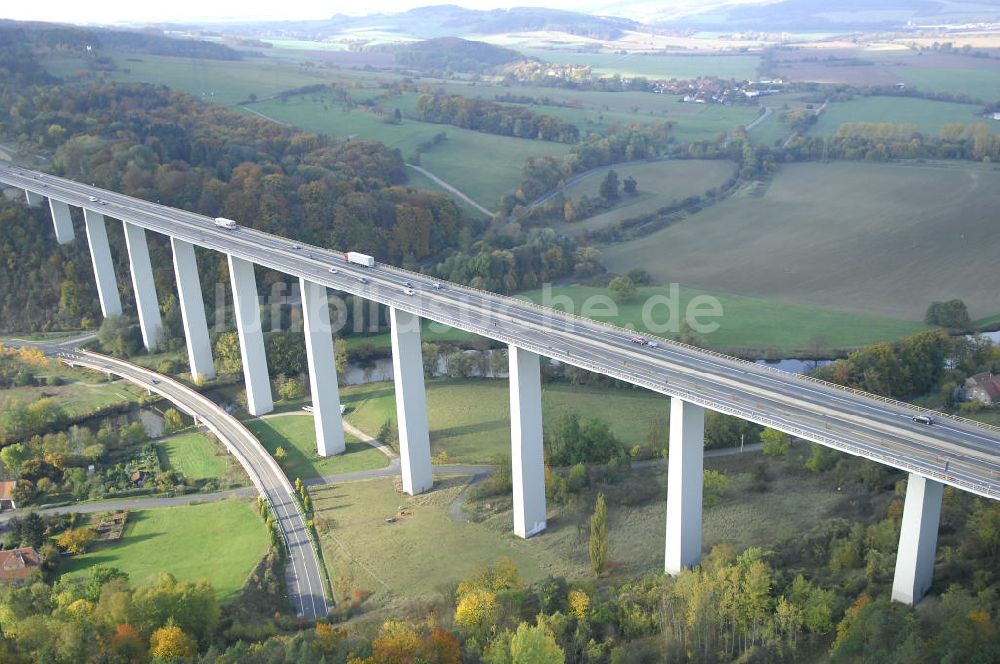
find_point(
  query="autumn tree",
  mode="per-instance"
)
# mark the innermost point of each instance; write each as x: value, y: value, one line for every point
x: 227, y: 352
x: 76, y: 540
x: 170, y: 642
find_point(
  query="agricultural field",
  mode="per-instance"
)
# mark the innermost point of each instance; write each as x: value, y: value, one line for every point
x: 740, y: 67
x: 877, y: 239
x: 928, y: 115
x: 978, y: 78
x: 223, y: 82
x: 470, y: 418
x: 483, y: 166
x: 221, y: 542
x: 660, y: 184
x: 197, y: 456
x: 296, y: 433
x: 754, y: 324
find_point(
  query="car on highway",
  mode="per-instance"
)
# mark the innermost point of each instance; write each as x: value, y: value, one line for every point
x: 333, y: 270
x: 296, y: 246
x: 102, y: 202
x: 363, y: 280
x: 92, y: 199
x: 154, y: 381
x: 436, y: 286
x: 408, y: 284
x: 652, y: 344
x: 923, y: 419
x: 639, y: 340
x: 410, y: 291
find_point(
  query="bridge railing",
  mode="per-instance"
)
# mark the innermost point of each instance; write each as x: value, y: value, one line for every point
x: 735, y: 361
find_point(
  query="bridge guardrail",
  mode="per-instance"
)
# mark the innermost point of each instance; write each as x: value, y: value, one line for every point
x: 741, y: 363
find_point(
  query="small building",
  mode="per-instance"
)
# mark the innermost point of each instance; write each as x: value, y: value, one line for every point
x: 16, y: 565
x: 984, y: 387
x: 7, y: 496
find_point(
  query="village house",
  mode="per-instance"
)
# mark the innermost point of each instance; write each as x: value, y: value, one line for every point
x: 984, y: 387
x: 7, y: 496
x: 16, y: 565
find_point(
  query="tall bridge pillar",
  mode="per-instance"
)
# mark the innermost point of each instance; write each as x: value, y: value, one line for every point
x: 685, y: 474
x: 917, y: 539
x: 322, y: 369
x: 34, y: 200
x: 61, y: 220
x: 528, y: 472
x: 247, y: 311
x: 143, y: 285
x: 411, y: 402
x: 104, y: 269
x: 199, y: 346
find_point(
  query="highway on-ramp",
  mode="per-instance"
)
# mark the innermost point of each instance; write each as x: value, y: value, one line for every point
x: 305, y: 580
x: 955, y: 451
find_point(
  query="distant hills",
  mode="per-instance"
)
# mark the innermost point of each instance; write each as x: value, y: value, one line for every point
x: 837, y: 15
x: 590, y: 21
x: 451, y: 20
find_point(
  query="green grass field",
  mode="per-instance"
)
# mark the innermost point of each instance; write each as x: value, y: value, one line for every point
x: 424, y: 553
x: 880, y: 239
x: 221, y: 542
x: 470, y: 419
x: 661, y: 183
x: 656, y: 66
x: 77, y: 399
x: 928, y: 115
x: 196, y: 456
x: 783, y: 329
x: 482, y: 166
x: 296, y: 433
x: 979, y: 82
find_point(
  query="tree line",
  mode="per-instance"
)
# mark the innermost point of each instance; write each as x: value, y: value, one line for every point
x: 494, y: 118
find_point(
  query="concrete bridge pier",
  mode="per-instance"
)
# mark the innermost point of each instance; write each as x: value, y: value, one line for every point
x: 247, y: 310
x: 199, y: 346
x: 685, y: 475
x: 34, y: 200
x: 104, y: 269
x: 411, y: 402
x: 322, y: 369
x: 61, y: 220
x: 528, y: 471
x: 143, y: 285
x: 917, y: 539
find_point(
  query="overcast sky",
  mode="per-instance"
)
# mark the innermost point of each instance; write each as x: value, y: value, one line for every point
x: 118, y: 11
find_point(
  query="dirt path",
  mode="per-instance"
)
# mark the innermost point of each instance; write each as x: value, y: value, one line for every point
x: 760, y: 118
x: 450, y: 188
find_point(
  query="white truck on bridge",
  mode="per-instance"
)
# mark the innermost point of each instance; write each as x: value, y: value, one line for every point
x: 228, y: 224
x: 359, y: 259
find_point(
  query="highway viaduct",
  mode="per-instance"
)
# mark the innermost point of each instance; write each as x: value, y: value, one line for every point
x: 953, y: 451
